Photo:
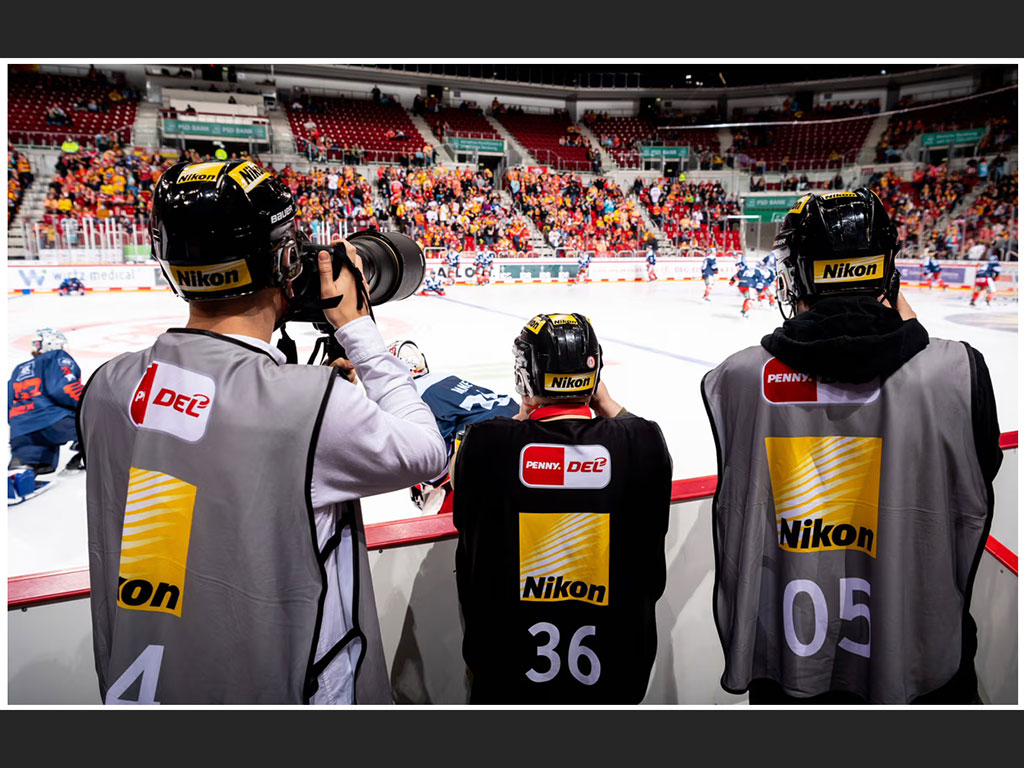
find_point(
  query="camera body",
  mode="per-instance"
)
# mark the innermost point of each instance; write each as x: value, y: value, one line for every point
x: 393, y: 266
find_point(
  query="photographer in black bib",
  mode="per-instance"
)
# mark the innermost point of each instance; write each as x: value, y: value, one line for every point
x: 562, y: 513
x: 855, y: 461
x: 226, y: 545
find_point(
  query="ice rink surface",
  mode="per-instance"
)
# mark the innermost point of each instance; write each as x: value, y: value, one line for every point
x: 659, y: 339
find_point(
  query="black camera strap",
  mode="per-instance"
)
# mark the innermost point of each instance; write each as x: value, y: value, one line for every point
x: 287, y: 346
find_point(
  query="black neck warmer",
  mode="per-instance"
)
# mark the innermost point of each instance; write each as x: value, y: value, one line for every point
x: 847, y: 338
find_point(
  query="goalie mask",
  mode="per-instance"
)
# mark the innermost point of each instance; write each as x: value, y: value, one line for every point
x: 557, y: 357
x: 835, y: 244
x: 410, y: 354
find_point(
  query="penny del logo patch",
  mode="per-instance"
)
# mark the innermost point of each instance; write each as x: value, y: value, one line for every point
x: 782, y: 385
x: 547, y: 465
x: 564, y: 556
x: 173, y: 399
x: 154, y: 542
x: 826, y: 492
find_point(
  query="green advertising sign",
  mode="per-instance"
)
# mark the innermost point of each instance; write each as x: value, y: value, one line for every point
x: 653, y: 152
x: 460, y: 144
x: 769, y: 208
x: 945, y: 138
x: 216, y: 130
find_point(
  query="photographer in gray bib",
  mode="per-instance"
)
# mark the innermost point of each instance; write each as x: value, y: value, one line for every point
x: 226, y: 546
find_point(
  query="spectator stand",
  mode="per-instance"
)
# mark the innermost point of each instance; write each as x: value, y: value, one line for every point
x: 237, y: 120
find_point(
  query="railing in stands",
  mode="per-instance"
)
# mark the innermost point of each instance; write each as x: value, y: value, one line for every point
x: 20, y: 138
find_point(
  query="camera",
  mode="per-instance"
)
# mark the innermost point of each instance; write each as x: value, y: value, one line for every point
x: 393, y: 266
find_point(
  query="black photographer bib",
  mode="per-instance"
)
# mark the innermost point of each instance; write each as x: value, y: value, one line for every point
x: 561, y: 557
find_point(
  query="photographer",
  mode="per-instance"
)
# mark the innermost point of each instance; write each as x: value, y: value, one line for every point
x: 562, y: 514
x: 226, y: 545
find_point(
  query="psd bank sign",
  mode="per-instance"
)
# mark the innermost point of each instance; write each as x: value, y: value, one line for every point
x: 49, y: 278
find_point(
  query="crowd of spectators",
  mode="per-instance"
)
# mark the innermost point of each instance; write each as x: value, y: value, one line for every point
x: 793, y: 109
x: 991, y: 219
x: 575, y: 215
x: 691, y: 213
x: 19, y: 177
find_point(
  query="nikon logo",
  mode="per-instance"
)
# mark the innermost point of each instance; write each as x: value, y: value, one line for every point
x: 248, y: 175
x: 199, y: 172
x: 212, y: 278
x: 814, y: 535
x: 136, y: 593
x: 560, y: 588
x: 848, y: 270
x: 571, y: 382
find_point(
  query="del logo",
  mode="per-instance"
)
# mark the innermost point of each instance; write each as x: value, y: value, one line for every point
x: 172, y: 399
x: 564, y: 556
x: 781, y: 385
x: 825, y: 491
x: 543, y: 465
x: 849, y: 270
x: 154, y: 542
x: 213, y: 277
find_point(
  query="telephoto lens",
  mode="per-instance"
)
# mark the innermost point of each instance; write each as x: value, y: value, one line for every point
x: 393, y: 266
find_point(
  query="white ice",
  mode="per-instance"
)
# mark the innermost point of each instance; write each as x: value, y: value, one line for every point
x: 659, y: 339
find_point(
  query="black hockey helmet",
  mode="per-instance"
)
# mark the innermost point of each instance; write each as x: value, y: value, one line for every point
x: 223, y: 229
x: 837, y: 243
x: 557, y: 356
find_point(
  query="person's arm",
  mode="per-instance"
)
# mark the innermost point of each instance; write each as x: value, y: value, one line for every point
x: 384, y: 440
x: 63, y: 381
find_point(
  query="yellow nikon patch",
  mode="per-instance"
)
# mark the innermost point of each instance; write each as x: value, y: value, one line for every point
x: 834, y: 195
x: 564, y: 556
x: 536, y: 324
x: 568, y: 382
x: 826, y: 492
x: 248, y: 175
x: 799, y: 207
x: 849, y: 270
x: 198, y: 172
x: 563, y: 320
x: 154, y: 542
x: 214, y: 277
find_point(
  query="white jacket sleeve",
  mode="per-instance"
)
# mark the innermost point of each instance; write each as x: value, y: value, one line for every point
x: 379, y: 440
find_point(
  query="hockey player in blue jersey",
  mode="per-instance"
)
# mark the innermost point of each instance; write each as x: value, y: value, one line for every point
x: 931, y: 271
x: 652, y: 260
x: 482, y: 262
x: 42, y: 396
x: 709, y: 272
x: 985, y: 280
x: 71, y: 285
x: 455, y: 403
x: 452, y: 259
x: 582, y: 268
x: 745, y: 276
x: 765, y: 283
x: 432, y: 284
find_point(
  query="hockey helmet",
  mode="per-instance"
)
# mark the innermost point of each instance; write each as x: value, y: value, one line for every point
x: 558, y: 357
x: 223, y: 229
x: 838, y: 243
x: 410, y: 354
x: 47, y: 340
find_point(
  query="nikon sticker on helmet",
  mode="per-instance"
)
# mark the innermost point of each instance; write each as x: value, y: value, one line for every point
x: 212, y: 277
x: 564, y: 556
x: 154, y: 542
x: 799, y: 207
x: 568, y: 382
x: 834, y: 195
x: 563, y: 320
x: 248, y: 175
x: 826, y: 492
x: 849, y: 270
x: 536, y: 324
x: 198, y: 172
